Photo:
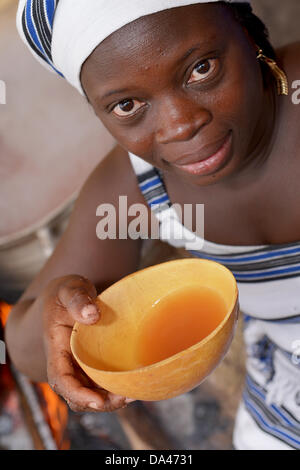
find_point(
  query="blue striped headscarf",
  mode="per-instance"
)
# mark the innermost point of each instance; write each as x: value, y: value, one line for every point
x: 62, y: 34
x: 37, y: 25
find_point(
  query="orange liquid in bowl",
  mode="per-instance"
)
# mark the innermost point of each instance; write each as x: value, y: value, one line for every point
x: 178, y: 321
x: 149, y: 317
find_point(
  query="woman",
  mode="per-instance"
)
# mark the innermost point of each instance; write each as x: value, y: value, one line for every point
x: 195, y: 96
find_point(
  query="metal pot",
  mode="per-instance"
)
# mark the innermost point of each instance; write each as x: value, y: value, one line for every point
x: 23, y: 255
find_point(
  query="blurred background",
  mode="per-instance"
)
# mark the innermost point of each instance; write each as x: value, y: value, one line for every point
x: 45, y: 124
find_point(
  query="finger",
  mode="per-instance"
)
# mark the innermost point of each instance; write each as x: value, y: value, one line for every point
x: 129, y: 400
x: 116, y: 401
x: 78, y: 296
x: 62, y: 369
x: 68, y: 380
x: 81, y: 395
x: 63, y: 379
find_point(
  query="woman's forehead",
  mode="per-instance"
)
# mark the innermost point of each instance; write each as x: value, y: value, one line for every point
x: 160, y: 33
x: 63, y: 36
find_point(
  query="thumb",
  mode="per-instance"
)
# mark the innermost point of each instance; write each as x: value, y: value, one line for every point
x: 79, y: 297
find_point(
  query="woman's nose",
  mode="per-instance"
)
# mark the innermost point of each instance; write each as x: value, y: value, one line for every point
x: 180, y: 120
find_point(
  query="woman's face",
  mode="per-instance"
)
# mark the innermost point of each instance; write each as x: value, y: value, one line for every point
x: 178, y: 87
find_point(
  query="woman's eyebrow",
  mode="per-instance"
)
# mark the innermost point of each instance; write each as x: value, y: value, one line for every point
x: 112, y: 92
x: 203, y: 46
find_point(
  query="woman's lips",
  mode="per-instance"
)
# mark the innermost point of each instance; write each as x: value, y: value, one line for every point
x: 210, y: 164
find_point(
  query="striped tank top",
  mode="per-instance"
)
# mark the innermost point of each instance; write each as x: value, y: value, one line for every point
x: 268, y: 279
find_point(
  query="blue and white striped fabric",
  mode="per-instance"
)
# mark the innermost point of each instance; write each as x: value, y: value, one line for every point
x: 268, y: 278
x: 37, y: 17
x: 263, y: 264
x: 276, y: 420
x: 151, y: 186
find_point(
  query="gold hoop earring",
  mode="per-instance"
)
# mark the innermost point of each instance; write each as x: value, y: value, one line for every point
x: 279, y: 74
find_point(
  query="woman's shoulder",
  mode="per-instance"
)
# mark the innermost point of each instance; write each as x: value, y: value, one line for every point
x: 114, y: 176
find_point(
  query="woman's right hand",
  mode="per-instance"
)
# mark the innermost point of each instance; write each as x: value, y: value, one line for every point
x: 67, y: 300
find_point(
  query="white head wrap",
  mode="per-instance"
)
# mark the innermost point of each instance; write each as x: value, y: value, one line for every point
x: 63, y: 33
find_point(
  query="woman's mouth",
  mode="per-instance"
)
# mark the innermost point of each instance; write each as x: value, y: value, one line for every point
x: 212, y: 163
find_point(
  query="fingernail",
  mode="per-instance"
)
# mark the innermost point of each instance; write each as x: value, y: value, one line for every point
x: 89, y: 311
x: 94, y: 406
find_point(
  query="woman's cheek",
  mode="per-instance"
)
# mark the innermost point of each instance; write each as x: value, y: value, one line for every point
x: 239, y: 100
x: 136, y: 139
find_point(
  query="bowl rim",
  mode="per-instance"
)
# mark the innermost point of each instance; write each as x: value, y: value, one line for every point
x: 231, y: 311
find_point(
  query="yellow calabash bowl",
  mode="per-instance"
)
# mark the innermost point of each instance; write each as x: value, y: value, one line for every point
x: 106, y: 351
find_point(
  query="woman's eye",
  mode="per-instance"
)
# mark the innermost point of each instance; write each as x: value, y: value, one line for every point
x: 127, y: 107
x: 203, y: 70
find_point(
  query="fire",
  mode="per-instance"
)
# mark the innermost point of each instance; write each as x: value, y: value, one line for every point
x: 56, y: 413
x: 4, y: 312
x: 55, y: 410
